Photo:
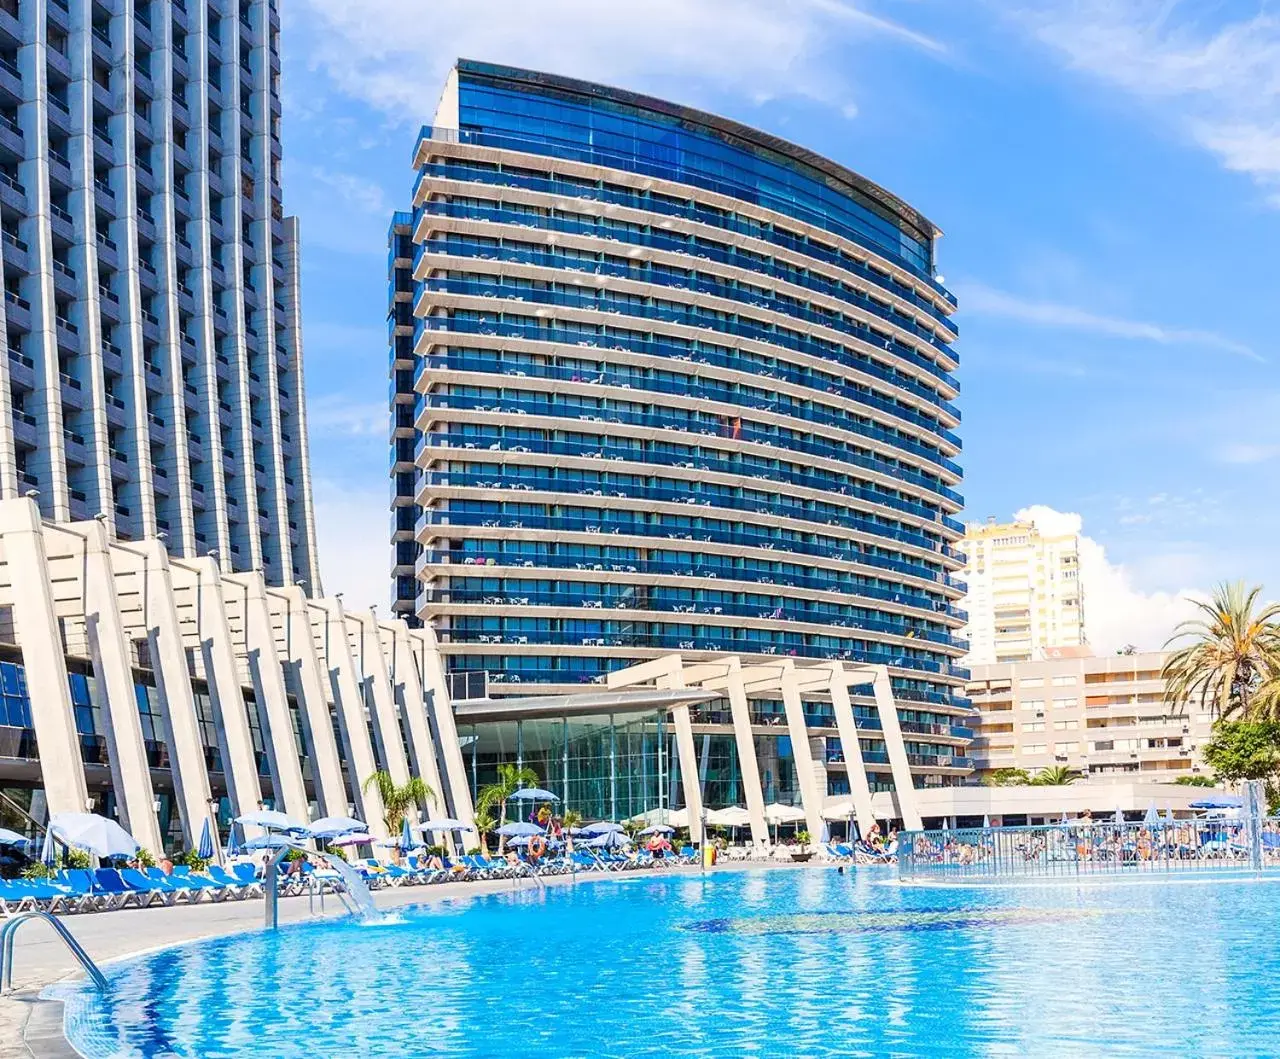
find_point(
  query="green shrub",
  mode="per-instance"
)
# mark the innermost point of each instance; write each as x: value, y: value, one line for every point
x: 192, y: 860
x: 145, y: 858
x: 76, y: 858
x: 38, y: 870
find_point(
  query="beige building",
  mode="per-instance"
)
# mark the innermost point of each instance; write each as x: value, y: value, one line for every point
x: 1105, y: 716
x: 1024, y: 594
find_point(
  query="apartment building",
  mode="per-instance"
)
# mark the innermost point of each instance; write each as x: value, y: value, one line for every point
x: 153, y: 376
x: 1023, y: 592
x: 1104, y: 716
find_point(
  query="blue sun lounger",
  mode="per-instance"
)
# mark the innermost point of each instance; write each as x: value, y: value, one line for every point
x: 111, y: 883
x: 142, y: 884
x: 182, y: 873
x: 236, y: 885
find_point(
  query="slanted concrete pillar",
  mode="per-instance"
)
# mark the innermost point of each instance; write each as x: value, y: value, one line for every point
x: 793, y: 706
x: 406, y: 685
x: 859, y: 784
x: 904, y: 784
x: 352, y: 721
x: 173, y: 681
x: 386, y: 721
x: 36, y: 622
x: 235, y: 741
x: 271, y: 694
x: 440, y: 706
x: 289, y: 610
x: 113, y: 675
x: 739, y: 709
x: 668, y: 673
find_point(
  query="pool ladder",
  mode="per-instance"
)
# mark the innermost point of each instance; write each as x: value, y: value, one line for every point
x: 9, y: 932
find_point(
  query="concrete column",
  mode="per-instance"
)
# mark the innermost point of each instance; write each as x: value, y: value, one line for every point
x: 812, y: 798
x: 406, y: 684
x: 235, y: 741
x: 431, y: 666
x: 740, y: 711
x: 386, y: 721
x: 859, y: 785
x: 272, y: 696
x: 352, y: 721
x: 904, y: 783
x: 61, y: 767
x: 173, y: 681
x: 289, y: 608
x: 668, y: 673
x: 288, y: 611
x: 122, y: 727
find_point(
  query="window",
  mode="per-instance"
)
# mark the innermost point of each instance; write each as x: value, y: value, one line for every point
x: 1064, y: 680
x: 1065, y: 703
x: 1033, y: 704
x: 1065, y: 748
x: 1065, y: 726
x: 1032, y: 682
x: 1033, y: 726
x: 1033, y: 748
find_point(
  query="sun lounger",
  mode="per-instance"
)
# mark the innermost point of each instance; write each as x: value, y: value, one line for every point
x: 14, y: 897
x: 111, y: 883
x: 144, y: 884
x: 216, y: 890
x: 180, y: 885
x: 234, y: 886
x: 81, y: 896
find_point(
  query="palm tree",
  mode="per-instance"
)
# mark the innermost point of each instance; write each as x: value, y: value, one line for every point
x: 1054, y: 776
x: 398, y: 799
x: 572, y: 818
x: 510, y: 779
x: 1232, y: 664
x: 485, y: 822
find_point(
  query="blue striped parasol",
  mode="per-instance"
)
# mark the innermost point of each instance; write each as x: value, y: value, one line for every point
x: 205, y: 849
x: 49, y: 851
x: 234, y: 848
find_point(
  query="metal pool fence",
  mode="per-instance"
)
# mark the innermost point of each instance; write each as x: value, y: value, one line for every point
x: 1085, y: 848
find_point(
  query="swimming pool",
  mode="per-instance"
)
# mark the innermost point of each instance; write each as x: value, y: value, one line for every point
x: 794, y: 962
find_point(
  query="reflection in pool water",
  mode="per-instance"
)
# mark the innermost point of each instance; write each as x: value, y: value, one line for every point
x: 637, y: 967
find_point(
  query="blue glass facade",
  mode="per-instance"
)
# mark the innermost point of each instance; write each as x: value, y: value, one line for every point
x: 664, y: 383
x: 18, y: 739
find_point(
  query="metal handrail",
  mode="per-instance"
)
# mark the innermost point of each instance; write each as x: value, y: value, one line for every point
x: 9, y: 932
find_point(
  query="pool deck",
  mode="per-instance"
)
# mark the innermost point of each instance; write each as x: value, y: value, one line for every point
x: 30, y: 1027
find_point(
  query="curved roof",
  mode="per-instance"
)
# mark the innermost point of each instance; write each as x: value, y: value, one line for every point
x: 731, y: 131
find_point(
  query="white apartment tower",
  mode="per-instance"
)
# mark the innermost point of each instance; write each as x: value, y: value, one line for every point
x: 1024, y: 595
x: 151, y: 316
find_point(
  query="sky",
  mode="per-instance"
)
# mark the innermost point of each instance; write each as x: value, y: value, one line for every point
x: 1106, y: 173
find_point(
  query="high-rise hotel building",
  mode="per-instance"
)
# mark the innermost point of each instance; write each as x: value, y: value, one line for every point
x: 150, y: 308
x: 1024, y: 599
x: 665, y: 383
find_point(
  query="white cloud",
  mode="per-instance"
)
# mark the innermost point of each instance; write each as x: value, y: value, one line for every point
x: 354, y: 543
x: 354, y: 191
x: 1217, y: 82
x: 335, y: 413
x: 1247, y: 453
x: 977, y: 299
x: 394, y: 54
x: 1116, y: 611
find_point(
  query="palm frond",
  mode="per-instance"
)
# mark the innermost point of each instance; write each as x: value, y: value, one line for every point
x: 1227, y: 655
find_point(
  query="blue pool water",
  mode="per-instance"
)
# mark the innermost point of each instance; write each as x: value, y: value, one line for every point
x: 745, y: 963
